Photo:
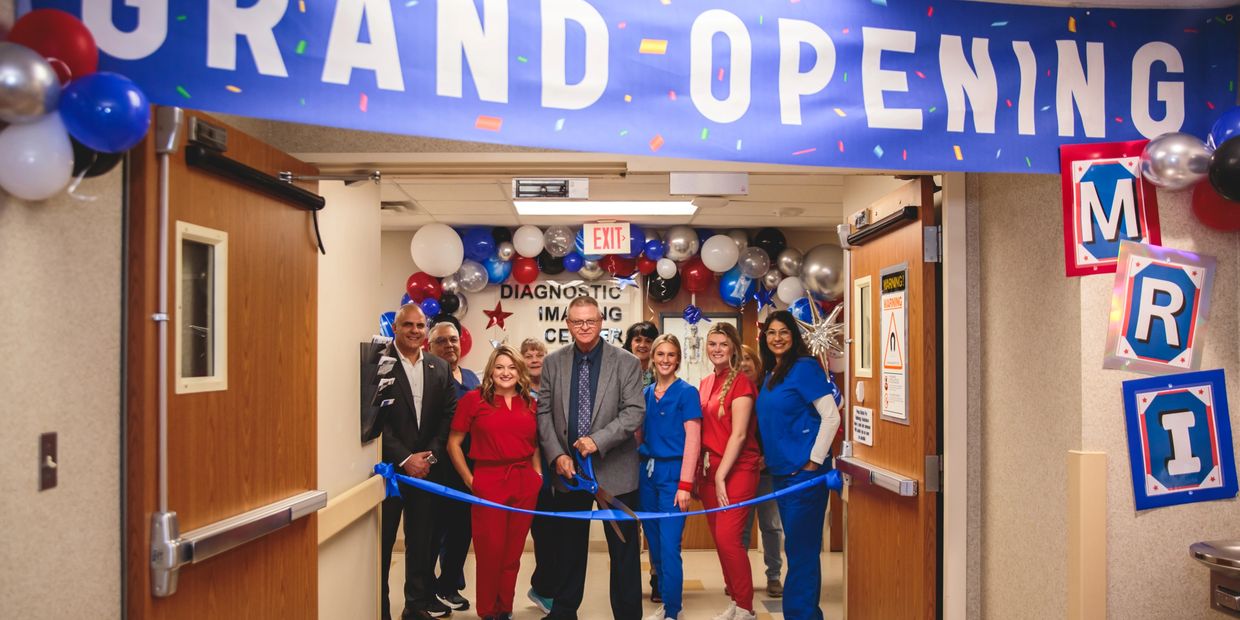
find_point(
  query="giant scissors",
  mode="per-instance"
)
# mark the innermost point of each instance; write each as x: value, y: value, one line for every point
x: 585, y: 480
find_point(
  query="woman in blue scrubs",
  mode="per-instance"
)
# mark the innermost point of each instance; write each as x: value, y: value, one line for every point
x: 798, y: 416
x: 671, y: 442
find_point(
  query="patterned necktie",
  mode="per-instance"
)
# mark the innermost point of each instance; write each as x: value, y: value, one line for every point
x: 584, y: 405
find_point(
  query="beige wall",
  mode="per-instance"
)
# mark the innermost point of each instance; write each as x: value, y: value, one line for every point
x: 1043, y: 392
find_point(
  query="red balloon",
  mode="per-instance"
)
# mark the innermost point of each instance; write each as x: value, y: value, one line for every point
x: 617, y: 265
x: 422, y: 285
x: 645, y: 266
x: 524, y: 270
x: 1213, y: 210
x: 695, y: 277
x: 61, y: 38
x: 467, y: 341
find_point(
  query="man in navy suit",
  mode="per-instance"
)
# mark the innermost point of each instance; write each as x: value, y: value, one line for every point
x: 415, y: 431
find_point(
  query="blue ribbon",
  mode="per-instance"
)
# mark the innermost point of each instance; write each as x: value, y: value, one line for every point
x: 832, y: 479
x: 693, y: 315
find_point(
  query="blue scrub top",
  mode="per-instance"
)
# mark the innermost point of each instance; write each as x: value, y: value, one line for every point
x: 663, y: 432
x: 787, y: 420
x: 469, y: 381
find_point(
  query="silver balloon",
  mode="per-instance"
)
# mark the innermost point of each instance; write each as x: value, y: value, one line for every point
x: 1175, y: 160
x: 789, y: 262
x: 558, y: 240
x: 741, y: 238
x: 590, y: 270
x: 472, y: 276
x: 754, y: 262
x: 772, y: 278
x: 450, y: 284
x: 505, y: 251
x: 681, y: 242
x: 822, y: 271
x: 464, y: 309
x: 29, y: 87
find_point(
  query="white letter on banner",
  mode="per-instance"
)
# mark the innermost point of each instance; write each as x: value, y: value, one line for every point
x: 556, y: 91
x: 140, y: 42
x: 346, y: 53
x: 875, y: 80
x: 226, y: 20
x: 1087, y: 88
x: 1146, y: 310
x: 701, y: 65
x: 1028, y: 82
x: 980, y: 86
x: 1170, y: 93
x: 1182, y: 461
x: 459, y: 32
x: 792, y: 83
x: 1124, y: 204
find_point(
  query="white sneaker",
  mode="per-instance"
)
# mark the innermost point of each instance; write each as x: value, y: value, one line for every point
x: 657, y: 614
x: 728, y: 613
x: 741, y: 614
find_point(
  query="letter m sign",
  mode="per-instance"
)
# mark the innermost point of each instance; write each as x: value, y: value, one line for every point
x: 1105, y: 201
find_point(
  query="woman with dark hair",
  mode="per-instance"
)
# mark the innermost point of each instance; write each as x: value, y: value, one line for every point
x: 639, y: 340
x: 798, y: 415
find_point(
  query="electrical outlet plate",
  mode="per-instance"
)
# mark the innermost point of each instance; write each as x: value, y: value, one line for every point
x: 47, y: 461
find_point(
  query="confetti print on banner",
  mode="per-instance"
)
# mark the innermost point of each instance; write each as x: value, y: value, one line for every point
x: 628, y: 98
x: 904, y: 154
x: 622, y: 25
x: 522, y: 59
x: 182, y: 18
x: 232, y: 89
x: 671, y: 94
x: 959, y: 154
x: 182, y: 92
x: 879, y: 2
x: 656, y: 143
x: 804, y: 152
x: 653, y: 46
x: 1009, y: 102
x: 1210, y: 104
x: 363, y: 102
x: 1111, y: 23
x: 1119, y: 119
x: 998, y: 153
x: 665, y: 2
x: 738, y: 144
x: 720, y: 74
x: 878, y: 151
x: 1071, y: 24
x: 841, y: 145
x: 301, y: 47
x: 930, y: 12
x: 839, y: 112
x: 301, y: 6
x: 1028, y: 162
x: 920, y: 74
x: 624, y: 132
x: 411, y: 3
x: 488, y: 123
x: 705, y: 133
x: 998, y: 24
x: 559, y: 124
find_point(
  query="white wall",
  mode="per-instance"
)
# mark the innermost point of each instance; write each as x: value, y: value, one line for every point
x: 348, y: 281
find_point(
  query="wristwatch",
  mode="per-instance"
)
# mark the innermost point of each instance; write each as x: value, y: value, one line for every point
x: 430, y: 459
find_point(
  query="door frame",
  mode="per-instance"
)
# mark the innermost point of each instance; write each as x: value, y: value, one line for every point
x: 957, y: 551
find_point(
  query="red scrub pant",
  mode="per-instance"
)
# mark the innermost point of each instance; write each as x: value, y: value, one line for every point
x: 499, y: 535
x: 728, y: 526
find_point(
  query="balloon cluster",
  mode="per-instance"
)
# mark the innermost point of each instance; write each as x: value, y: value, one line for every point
x: 65, y: 119
x: 1177, y: 161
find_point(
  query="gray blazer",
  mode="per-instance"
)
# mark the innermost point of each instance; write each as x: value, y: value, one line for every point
x: 619, y: 409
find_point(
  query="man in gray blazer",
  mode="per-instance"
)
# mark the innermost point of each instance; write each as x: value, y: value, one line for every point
x: 590, y: 401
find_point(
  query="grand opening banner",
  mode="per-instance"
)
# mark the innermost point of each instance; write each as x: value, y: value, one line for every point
x: 893, y: 84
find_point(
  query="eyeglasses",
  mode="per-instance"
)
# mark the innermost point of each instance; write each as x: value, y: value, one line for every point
x: 586, y: 323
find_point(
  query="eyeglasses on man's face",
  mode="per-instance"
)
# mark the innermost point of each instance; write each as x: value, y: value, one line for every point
x: 584, y: 323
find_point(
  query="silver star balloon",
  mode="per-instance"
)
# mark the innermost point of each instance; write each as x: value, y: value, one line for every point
x: 825, y: 336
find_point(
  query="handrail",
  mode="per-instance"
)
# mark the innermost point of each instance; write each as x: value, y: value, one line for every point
x: 862, y: 472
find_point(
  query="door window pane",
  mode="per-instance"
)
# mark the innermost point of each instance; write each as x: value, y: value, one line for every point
x: 197, y: 309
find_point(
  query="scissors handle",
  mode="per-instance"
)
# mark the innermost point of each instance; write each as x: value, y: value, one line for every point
x: 584, y: 479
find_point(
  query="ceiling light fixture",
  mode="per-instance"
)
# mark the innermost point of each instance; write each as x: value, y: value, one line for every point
x: 603, y: 208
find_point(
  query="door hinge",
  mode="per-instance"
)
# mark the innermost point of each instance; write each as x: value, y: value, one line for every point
x: 934, y: 473
x: 932, y: 244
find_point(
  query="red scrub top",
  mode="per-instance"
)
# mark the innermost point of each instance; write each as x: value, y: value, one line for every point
x: 716, y: 430
x: 496, y: 432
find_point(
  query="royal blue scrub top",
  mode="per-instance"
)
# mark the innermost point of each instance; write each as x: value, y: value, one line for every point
x: 787, y: 420
x: 663, y: 432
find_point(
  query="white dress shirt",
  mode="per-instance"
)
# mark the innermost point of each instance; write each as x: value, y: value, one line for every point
x: 413, y: 372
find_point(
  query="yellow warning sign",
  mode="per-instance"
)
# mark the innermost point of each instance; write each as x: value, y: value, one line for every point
x: 892, y: 395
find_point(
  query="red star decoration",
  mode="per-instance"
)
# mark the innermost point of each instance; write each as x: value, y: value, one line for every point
x: 1125, y: 351
x: 497, y: 316
x: 1211, y: 478
x: 1201, y: 391
x: 1145, y: 400
x: 1194, y: 273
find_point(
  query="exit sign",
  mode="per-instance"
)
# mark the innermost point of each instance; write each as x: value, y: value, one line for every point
x: 608, y: 238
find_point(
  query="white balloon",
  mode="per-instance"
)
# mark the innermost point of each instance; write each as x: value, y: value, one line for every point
x: 36, y: 159
x: 719, y: 253
x: 666, y: 268
x: 528, y: 240
x: 437, y: 250
x: 790, y: 289
x: 836, y: 363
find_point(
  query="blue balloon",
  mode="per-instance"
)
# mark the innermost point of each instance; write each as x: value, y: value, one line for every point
x: 404, y: 299
x: 637, y: 241
x: 385, y: 324
x: 573, y: 261
x: 801, y: 310
x: 704, y: 234
x: 105, y: 111
x: 735, y: 287
x: 479, y: 244
x: 497, y: 270
x: 654, y: 249
x: 1227, y: 126
x: 581, y: 247
x: 430, y: 307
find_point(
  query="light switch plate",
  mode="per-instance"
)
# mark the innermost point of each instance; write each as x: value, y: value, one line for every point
x: 47, y: 461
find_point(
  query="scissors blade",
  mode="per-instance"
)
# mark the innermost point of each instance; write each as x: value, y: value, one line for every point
x: 601, y: 497
x: 617, y: 504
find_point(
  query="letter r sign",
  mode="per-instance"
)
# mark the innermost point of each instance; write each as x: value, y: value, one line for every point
x: 1159, y: 306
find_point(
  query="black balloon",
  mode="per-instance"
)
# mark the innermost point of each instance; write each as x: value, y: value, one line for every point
x: 771, y: 240
x: 660, y: 289
x: 550, y: 265
x: 1225, y: 169
x: 449, y: 303
x: 92, y: 162
x: 501, y: 234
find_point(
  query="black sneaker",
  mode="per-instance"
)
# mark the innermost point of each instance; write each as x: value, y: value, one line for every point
x: 655, y: 597
x: 454, y: 601
x: 437, y: 610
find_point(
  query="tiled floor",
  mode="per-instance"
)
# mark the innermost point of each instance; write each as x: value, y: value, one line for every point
x: 703, y: 594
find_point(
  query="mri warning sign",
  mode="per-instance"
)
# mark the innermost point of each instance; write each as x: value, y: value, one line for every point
x: 894, y: 343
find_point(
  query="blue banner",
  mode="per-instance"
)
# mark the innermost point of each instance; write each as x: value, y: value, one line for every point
x: 890, y: 84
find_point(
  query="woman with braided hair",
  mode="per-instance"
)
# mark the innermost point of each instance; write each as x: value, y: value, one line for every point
x: 730, y: 462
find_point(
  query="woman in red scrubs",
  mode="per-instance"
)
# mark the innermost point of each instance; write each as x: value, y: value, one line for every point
x: 730, y: 462
x: 499, y: 418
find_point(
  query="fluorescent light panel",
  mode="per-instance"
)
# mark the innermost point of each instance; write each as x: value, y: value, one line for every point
x: 603, y: 207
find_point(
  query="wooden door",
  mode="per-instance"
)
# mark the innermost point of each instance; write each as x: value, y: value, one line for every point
x: 251, y: 443
x: 891, y: 547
